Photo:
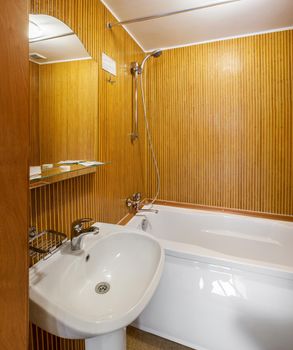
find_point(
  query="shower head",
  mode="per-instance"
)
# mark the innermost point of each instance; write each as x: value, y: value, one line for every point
x: 156, y: 53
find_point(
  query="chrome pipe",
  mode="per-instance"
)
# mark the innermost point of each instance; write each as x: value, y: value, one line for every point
x: 136, y: 69
x: 156, y: 211
x: 50, y: 37
x: 135, y: 72
x: 110, y: 25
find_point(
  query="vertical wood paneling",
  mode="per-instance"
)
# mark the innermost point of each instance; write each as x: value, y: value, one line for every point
x: 68, y: 98
x: 34, y: 115
x: 222, y: 123
x: 101, y: 196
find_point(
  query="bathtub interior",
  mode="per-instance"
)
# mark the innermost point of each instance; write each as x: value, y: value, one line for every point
x: 227, y: 236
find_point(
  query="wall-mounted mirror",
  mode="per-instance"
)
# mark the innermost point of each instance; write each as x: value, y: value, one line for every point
x: 63, y: 94
x: 52, y: 41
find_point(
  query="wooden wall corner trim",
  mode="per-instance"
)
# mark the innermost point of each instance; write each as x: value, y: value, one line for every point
x: 14, y: 144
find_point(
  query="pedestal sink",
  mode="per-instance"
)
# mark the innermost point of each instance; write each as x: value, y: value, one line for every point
x: 95, y: 293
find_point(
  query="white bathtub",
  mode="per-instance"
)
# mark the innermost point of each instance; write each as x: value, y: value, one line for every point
x: 227, y: 282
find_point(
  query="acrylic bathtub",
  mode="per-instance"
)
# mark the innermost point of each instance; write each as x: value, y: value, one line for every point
x: 227, y: 282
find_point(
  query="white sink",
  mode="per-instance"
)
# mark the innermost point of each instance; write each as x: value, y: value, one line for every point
x: 64, y: 298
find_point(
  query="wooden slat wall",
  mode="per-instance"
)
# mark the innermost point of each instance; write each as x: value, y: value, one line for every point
x: 101, y: 196
x: 34, y: 115
x: 68, y: 98
x: 222, y: 121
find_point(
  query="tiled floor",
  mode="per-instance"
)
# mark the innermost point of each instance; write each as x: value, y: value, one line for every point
x: 138, y: 340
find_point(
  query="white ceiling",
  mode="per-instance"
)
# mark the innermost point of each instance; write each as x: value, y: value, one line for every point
x: 231, y: 20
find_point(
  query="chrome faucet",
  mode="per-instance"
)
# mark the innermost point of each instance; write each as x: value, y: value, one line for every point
x: 148, y: 210
x: 78, y: 232
x: 135, y: 203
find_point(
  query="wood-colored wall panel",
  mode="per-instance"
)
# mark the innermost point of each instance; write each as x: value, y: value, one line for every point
x: 222, y: 122
x: 101, y: 196
x: 34, y: 115
x: 14, y: 153
x: 68, y: 99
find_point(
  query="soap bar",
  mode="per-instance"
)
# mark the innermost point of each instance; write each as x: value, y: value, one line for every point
x: 47, y: 166
x: 91, y: 163
x: 65, y: 167
x: 35, y: 170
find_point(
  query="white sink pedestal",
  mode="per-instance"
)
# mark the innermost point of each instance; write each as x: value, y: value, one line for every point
x: 115, y: 340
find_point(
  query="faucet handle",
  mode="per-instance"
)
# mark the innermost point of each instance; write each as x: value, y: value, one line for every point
x: 77, y: 225
x: 136, y: 196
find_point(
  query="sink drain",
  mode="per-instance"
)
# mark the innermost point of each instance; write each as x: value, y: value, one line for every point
x: 102, y: 288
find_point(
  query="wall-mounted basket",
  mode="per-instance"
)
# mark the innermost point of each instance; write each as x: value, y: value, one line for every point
x: 44, y: 244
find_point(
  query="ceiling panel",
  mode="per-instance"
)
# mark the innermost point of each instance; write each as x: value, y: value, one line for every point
x: 224, y: 21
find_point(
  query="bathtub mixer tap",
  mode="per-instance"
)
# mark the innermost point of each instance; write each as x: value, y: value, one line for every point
x: 134, y: 202
x: 78, y: 231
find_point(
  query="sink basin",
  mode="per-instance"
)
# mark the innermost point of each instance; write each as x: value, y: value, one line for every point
x: 96, y: 292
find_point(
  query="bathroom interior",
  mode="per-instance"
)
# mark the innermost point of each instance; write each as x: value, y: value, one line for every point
x: 146, y: 175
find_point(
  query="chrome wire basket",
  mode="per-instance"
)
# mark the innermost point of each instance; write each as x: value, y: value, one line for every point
x: 44, y: 244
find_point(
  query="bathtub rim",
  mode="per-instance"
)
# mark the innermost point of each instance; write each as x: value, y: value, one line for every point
x: 223, y: 210
x: 191, y: 252
x: 246, y: 265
